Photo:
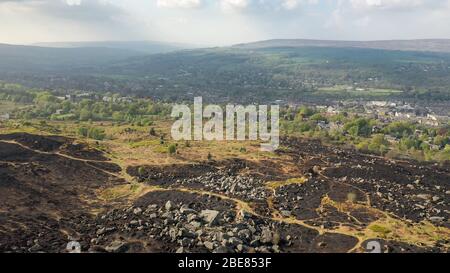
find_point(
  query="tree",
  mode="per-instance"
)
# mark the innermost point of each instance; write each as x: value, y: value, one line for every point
x: 305, y: 112
x: 399, y: 129
x: 172, y: 149
x: 117, y: 116
x: 318, y: 117
x: 359, y: 127
x: 96, y: 133
x: 85, y: 114
x: 83, y: 131
x: 141, y: 171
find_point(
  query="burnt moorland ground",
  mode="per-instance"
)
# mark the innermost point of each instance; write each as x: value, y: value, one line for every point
x: 319, y: 198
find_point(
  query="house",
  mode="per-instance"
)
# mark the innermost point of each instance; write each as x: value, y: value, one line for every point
x: 332, y: 110
x: 432, y: 117
x: 4, y: 117
x: 402, y: 115
x: 125, y: 99
x: 107, y: 99
x: 377, y: 103
x: 323, y: 125
x: 391, y: 139
x: 376, y: 129
x: 335, y: 126
x: 418, y: 132
x: 83, y: 95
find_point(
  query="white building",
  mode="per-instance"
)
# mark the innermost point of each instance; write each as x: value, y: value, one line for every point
x: 4, y: 116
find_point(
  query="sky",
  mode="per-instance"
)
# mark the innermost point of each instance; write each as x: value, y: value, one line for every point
x: 220, y: 22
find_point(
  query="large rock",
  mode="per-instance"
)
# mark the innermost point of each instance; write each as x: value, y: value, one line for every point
x: 186, y: 210
x: 117, y: 247
x: 266, y: 236
x: 209, y: 245
x: 137, y: 211
x: 436, y: 219
x: 209, y: 216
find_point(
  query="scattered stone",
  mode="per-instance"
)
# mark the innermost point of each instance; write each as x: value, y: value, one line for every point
x: 186, y: 210
x: 286, y: 213
x: 437, y: 219
x: 424, y: 196
x: 221, y: 250
x: 117, y: 247
x: 266, y: 236
x: 180, y: 250
x: 209, y: 245
x: 169, y: 205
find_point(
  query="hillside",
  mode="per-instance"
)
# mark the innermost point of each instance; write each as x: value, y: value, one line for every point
x: 290, y: 73
x: 306, y: 198
x: 426, y: 45
x: 261, y: 72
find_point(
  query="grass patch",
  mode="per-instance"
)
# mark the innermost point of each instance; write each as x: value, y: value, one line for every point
x: 380, y: 229
x: 144, y: 143
x: 277, y: 184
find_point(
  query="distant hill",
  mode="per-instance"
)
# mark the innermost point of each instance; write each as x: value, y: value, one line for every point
x: 147, y: 47
x: 430, y: 45
x: 35, y: 58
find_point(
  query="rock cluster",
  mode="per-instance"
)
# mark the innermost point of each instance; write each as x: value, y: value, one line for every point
x: 187, y: 230
x: 239, y: 186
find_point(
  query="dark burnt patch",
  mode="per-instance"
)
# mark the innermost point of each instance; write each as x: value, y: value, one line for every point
x: 396, y: 247
x: 82, y: 151
x: 341, y: 193
x: 364, y: 215
x: 333, y: 243
x: 37, y: 142
x: 302, y: 200
x: 40, y: 193
x: 110, y: 167
x: 15, y: 153
x: 167, y: 175
x: 406, y: 188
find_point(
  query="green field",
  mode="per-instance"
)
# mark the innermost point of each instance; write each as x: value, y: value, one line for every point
x: 352, y: 92
x: 8, y: 106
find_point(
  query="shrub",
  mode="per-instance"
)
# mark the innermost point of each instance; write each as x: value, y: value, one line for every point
x: 141, y: 171
x: 172, y: 149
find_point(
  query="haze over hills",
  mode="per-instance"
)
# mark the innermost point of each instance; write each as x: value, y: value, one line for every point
x: 35, y: 58
x: 147, y: 47
x: 431, y: 45
x: 69, y: 55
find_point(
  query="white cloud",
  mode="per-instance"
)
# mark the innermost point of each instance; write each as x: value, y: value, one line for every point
x: 293, y: 4
x: 73, y: 2
x: 234, y: 5
x: 389, y: 4
x: 183, y: 4
x: 222, y: 21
